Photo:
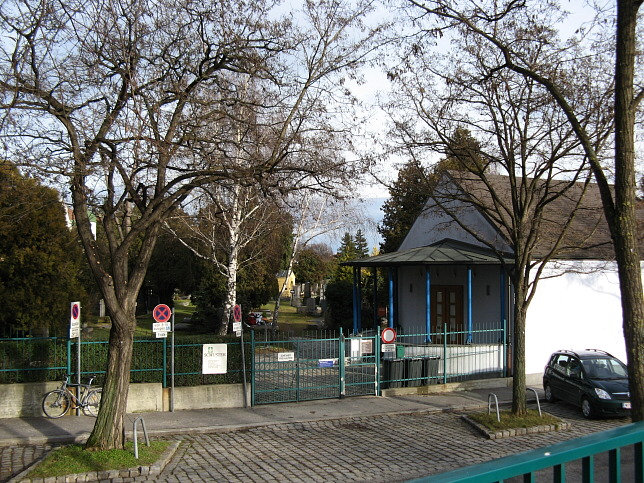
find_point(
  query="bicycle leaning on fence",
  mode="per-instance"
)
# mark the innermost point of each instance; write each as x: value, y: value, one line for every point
x: 56, y: 403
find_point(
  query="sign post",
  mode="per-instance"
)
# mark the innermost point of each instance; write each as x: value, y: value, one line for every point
x: 239, y: 330
x: 75, y: 332
x: 164, y: 318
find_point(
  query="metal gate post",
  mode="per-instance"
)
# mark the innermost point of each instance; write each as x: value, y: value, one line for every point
x: 252, y: 368
x: 444, y: 353
x: 376, y: 346
x: 341, y: 364
x: 297, y: 372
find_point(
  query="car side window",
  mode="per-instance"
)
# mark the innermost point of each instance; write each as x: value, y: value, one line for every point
x: 574, y: 367
x: 561, y: 363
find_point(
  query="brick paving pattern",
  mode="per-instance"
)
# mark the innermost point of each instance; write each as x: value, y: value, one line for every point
x: 376, y: 448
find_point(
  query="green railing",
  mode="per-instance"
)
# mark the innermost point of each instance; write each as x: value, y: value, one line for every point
x: 555, y: 458
x: 441, y: 357
x: 50, y: 359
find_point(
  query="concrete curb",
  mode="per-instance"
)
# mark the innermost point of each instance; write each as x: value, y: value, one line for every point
x: 508, y: 433
x: 146, y: 470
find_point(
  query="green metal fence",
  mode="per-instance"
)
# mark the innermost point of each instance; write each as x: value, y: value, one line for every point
x: 51, y: 358
x: 282, y: 367
x: 555, y: 458
x: 287, y: 369
x: 422, y: 359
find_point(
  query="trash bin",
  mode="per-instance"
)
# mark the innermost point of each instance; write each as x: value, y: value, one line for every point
x: 414, y: 372
x: 430, y: 369
x: 393, y: 371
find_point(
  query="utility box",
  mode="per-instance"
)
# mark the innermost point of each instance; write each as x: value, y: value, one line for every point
x: 394, y: 371
x: 414, y: 372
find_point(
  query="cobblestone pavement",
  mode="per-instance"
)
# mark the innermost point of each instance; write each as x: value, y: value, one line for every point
x: 379, y: 448
x: 13, y: 459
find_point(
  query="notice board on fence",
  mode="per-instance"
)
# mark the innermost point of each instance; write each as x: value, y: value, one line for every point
x: 215, y: 358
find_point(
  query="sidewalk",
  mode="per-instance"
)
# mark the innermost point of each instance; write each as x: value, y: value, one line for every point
x: 22, y: 431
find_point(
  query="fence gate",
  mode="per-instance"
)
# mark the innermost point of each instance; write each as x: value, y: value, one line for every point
x: 288, y: 369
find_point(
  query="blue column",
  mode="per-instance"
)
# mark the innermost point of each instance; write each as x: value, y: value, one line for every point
x: 469, y: 305
x: 355, y: 301
x: 359, y: 299
x: 503, y: 289
x: 374, y: 273
x: 428, y: 307
x: 391, y: 297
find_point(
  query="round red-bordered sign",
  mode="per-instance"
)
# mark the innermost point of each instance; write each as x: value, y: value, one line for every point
x: 161, y: 313
x: 75, y: 311
x: 237, y: 313
x: 388, y: 335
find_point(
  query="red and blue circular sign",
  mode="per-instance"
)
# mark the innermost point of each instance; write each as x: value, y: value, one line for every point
x: 237, y: 313
x: 162, y: 313
x: 75, y: 311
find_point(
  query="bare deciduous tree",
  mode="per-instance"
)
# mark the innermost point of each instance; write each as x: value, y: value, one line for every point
x: 562, y: 69
x: 521, y: 135
x: 115, y: 99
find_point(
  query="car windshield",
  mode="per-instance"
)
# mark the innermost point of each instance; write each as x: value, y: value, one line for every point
x: 604, y: 368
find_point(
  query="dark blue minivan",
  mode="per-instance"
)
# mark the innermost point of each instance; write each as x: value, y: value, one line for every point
x: 591, y: 379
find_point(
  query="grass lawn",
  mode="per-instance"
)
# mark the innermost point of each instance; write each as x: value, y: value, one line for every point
x: 289, y: 319
x: 143, y: 324
x: 509, y: 421
x: 73, y: 459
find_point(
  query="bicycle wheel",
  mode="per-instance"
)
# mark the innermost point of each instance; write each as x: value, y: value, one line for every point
x: 93, y: 402
x: 55, y: 403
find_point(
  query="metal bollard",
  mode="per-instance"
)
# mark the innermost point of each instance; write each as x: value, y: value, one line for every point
x: 145, y: 434
x: 537, y: 397
x: 489, y: 405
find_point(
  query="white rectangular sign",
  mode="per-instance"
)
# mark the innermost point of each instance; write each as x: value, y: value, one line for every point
x: 388, y: 347
x: 160, y: 334
x: 285, y: 356
x: 215, y: 359
x: 161, y: 326
x: 356, y: 348
x: 366, y: 346
x: 237, y: 327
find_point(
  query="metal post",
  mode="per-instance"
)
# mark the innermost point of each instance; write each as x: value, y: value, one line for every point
x: 78, y: 369
x: 391, y: 298
x: 428, y: 308
x: 505, y: 349
x: 165, y: 362
x: 444, y: 353
x: 243, y: 365
x: 341, y: 363
x: 376, y: 346
x: 252, y: 368
x: 172, y: 366
x: 135, y: 436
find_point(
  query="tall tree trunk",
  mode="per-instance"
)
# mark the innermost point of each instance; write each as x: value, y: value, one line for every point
x: 624, y: 222
x: 231, y: 290
x: 108, y: 429
x: 518, y: 354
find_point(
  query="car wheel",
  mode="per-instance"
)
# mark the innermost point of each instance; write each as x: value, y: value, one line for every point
x: 549, y: 396
x: 587, y: 408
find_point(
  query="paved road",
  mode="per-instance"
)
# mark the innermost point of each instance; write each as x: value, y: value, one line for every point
x: 374, y: 448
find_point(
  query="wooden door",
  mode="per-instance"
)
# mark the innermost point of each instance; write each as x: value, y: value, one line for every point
x: 447, y: 308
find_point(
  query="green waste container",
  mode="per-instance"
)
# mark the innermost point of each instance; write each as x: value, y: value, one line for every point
x: 394, y: 371
x: 400, y: 351
x: 430, y: 369
x: 414, y: 372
